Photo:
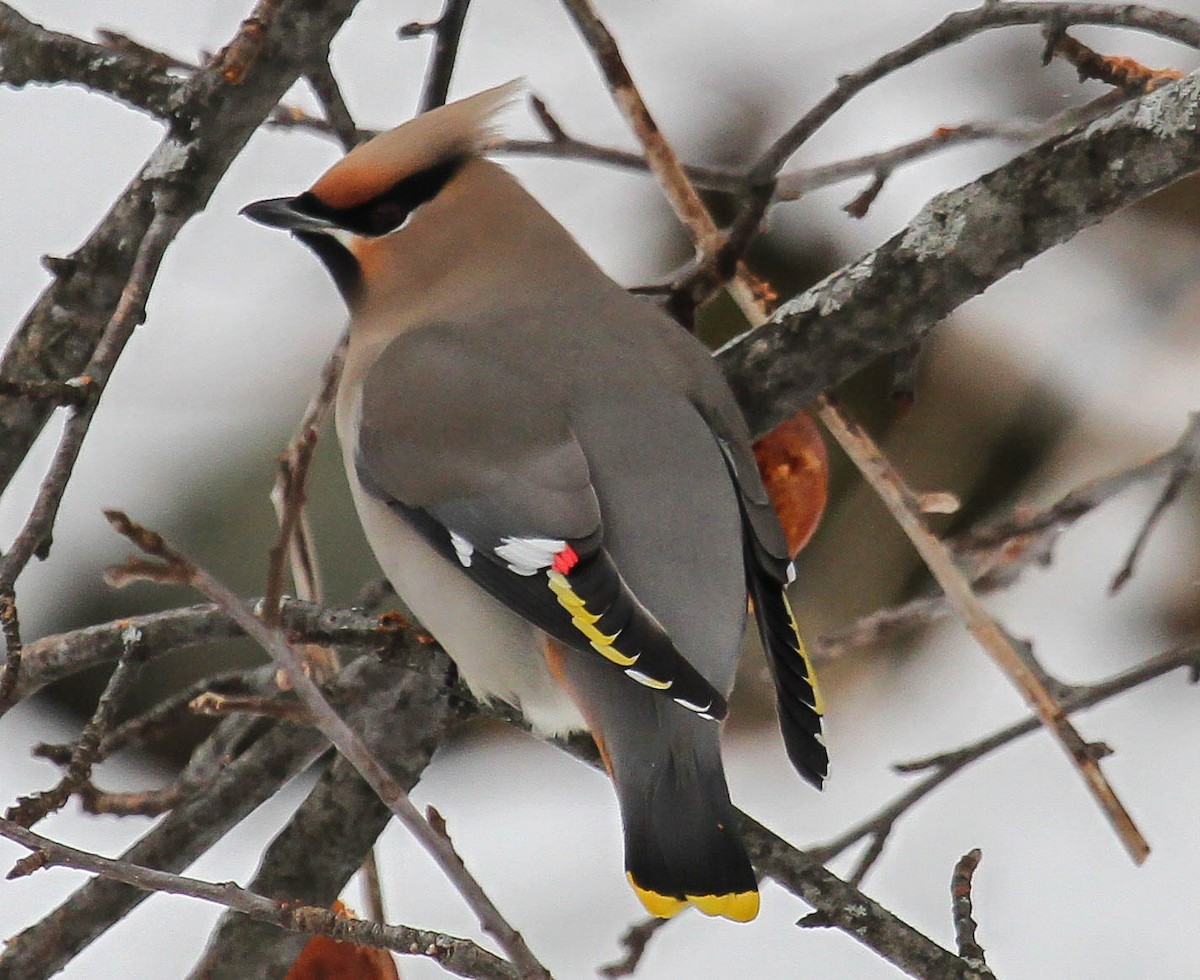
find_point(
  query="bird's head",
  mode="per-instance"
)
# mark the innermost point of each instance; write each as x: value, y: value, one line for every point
x: 377, y: 186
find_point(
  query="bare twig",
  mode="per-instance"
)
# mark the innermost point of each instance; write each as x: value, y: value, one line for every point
x: 129, y: 312
x: 28, y: 810
x: 447, y: 32
x: 176, y: 568
x: 280, y: 708
x: 34, y: 535
x: 636, y: 940
x: 795, y: 184
x: 1183, y: 460
x: 952, y: 30
x: 325, y: 86
x: 944, y: 765
x: 372, y: 887
x: 1031, y: 682
x: 861, y: 204
x: 10, y: 625
x: 74, y: 393
x: 963, y: 913
x: 294, y: 541
x: 994, y: 556
x: 1123, y: 73
x: 157, y: 723
x: 141, y: 803
x: 62, y: 655
x: 661, y: 159
x: 459, y: 956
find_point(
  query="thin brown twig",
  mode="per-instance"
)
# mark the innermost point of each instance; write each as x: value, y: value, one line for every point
x: 1126, y: 74
x: 994, y: 556
x: 795, y: 184
x: 10, y: 674
x: 294, y: 541
x: 459, y: 956
x: 174, y: 567
x: 636, y: 941
x: 955, y: 28
x: 337, y: 114
x: 28, y: 810
x: 963, y: 913
x: 447, y: 32
x: 72, y: 394
x: 39, y: 524
x: 372, y: 887
x: 159, y: 722
x: 942, y: 766
x: 661, y: 159
x: 1031, y: 682
x: 139, y: 803
x: 280, y: 708
x: 1184, y: 459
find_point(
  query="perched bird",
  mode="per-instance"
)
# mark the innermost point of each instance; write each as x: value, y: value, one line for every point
x: 558, y: 483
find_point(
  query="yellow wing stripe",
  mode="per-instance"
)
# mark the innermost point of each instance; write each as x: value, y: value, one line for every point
x: 584, y: 620
x: 738, y: 906
x: 810, y: 674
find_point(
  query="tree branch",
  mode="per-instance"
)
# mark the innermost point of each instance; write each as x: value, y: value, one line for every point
x: 944, y: 765
x: 960, y: 243
x: 30, y: 809
x: 955, y: 28
x: 1028, y: 679
x: 461, y: 957
x: 30, y: 54
x: 216, y: 110
x: 177, y: 568
x: 61, y: 655
x: 447, y: 32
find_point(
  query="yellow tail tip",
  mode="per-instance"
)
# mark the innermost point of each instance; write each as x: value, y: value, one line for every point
x: 738, y: 907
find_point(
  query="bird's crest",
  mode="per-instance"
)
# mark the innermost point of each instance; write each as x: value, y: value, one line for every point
x: 433, y: 139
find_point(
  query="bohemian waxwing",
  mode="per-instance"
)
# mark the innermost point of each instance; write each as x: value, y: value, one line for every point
x: 558, y: 483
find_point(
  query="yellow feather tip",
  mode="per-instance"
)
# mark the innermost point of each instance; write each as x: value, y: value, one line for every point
x: 738, y: 907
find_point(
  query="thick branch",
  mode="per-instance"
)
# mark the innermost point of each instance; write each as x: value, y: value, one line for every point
x: 959, y: 244
x: 30, y: 54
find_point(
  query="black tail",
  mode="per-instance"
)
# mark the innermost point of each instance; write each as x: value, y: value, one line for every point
x: 681, y: 846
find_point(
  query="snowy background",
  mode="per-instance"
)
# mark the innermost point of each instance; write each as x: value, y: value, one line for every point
x: 1099, y: 335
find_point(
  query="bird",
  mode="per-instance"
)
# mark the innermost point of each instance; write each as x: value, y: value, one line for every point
x: 556, y: 479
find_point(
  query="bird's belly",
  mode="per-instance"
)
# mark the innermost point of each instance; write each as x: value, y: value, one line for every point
x: 497, y: 652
